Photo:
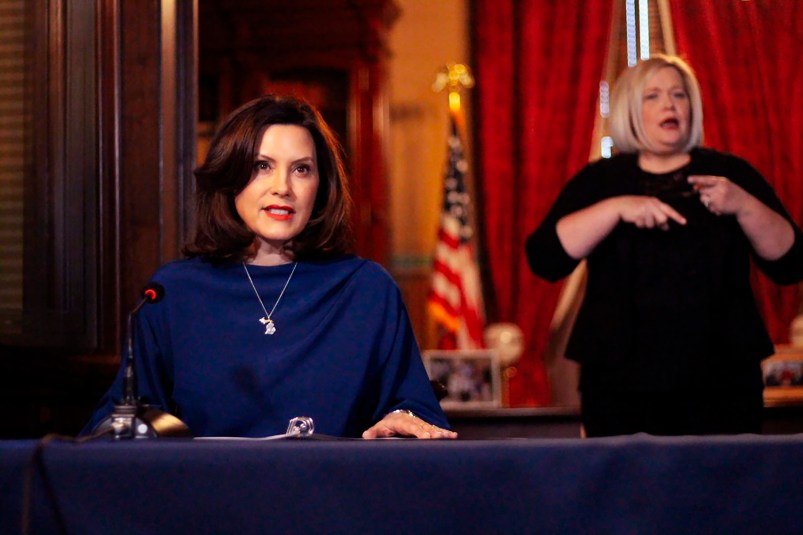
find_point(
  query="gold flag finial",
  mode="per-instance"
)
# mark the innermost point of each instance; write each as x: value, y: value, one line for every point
x: 454, y: 77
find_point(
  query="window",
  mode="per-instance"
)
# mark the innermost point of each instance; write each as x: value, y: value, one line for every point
x: 14, y: 124
x: 48, y: 173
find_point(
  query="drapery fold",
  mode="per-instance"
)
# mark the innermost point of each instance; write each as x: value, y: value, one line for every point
x: 746, y: 58
x: 538, y: 67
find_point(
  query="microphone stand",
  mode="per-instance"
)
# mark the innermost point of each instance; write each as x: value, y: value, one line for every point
x: 130, y: 418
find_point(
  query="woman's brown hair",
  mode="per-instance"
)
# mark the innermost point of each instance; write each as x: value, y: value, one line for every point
x: 220, y: 233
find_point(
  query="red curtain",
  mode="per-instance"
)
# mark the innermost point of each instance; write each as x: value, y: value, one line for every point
x: 746, y: 58
x: 538, y: 65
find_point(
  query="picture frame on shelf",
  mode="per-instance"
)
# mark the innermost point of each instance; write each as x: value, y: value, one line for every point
x: 472, y: 377
x: 783, y: 376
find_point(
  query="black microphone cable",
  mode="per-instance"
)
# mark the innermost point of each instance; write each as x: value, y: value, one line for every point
x: 37, y: 465
x: 152, y: 293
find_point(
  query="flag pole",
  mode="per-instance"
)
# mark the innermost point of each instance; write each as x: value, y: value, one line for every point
x: 455, y: 77
x: 455, y: 300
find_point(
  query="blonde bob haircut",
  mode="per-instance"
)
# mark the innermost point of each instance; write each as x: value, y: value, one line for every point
x: 626, y: 121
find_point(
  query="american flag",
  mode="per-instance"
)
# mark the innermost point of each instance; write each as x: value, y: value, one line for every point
x: 455, y: 300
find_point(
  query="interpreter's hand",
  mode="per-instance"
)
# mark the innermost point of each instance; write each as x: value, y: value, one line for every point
x: 718, y: 194
x: 402, y: 423
x: 647, y: 212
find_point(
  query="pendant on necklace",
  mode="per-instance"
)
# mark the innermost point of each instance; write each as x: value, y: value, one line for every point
x: 270, y: 327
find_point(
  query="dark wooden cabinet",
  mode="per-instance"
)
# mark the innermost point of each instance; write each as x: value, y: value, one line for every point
x: 111, y: 150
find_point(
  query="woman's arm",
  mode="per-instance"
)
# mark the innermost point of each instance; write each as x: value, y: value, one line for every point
x: 405, y: 404
x: 581, y: 231
x: 406, y: 423
x: 769, y: 233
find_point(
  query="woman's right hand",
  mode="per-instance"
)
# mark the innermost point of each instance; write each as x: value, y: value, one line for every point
x: 580, y: 232
x: 406, y: 424
x: 647, y: 212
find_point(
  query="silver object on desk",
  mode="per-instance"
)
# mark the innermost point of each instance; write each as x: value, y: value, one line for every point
x: 300, y: 426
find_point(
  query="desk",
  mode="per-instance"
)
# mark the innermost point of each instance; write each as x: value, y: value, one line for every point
x: 519, y: 422
x: 637, y: 484
x: 564, y: 422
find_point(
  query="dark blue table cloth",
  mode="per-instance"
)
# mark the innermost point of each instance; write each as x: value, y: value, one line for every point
x: 638, y: 484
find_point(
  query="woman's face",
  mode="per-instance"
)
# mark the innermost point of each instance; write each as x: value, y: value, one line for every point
x: 277, y: 203
x: 665, y: 111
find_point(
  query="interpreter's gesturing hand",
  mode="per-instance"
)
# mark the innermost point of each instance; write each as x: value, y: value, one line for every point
x: 647, y: 212
x: 402, y: 423
x: 718, y: 194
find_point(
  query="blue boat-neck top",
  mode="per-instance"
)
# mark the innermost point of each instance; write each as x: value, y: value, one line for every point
x: 343, y: 353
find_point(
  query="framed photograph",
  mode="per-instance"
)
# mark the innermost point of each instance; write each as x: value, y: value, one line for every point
x: 472, y: 378
x: 783, y: 376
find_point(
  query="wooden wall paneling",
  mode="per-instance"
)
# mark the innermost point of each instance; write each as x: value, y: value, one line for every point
x: 45, y: 376
x: 157, y: 137
x: 140, y: 179
x: 60, y: 301
x: 371, y: 221
x: 77, y: 225
x: 112, y: 148
x: 108, y: 56
x: 186, y: 51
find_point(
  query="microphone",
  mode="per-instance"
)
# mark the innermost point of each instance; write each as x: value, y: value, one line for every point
x: 130, y: 418
x: 152, y: 293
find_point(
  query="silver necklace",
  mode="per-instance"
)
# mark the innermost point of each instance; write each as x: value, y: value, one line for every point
x: 270, y: 326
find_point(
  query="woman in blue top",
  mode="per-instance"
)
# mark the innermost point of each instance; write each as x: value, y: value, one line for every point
x: 270, y: 317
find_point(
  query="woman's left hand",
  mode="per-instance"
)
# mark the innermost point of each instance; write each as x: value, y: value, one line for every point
x: 406, y: 424
x: 718, y: 194
x: 769, y: 233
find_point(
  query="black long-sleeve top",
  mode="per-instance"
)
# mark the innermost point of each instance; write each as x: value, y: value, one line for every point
x: 665, y: 310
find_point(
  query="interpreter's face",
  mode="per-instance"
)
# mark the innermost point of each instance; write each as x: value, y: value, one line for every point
x: 277, y: 203
x: 665, y: 111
